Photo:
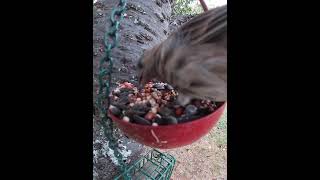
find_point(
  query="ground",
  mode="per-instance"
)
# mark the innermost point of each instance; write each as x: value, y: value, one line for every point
x: 205, y: 159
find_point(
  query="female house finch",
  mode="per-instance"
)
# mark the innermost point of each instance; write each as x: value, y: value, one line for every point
x: 193, y: 59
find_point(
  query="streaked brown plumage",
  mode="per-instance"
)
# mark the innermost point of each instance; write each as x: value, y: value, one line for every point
x: 193, y: 59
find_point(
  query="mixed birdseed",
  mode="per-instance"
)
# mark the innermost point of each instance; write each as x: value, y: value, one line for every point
x: 155, y: 104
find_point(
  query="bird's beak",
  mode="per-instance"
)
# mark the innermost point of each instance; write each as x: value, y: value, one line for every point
x: 141, y: 80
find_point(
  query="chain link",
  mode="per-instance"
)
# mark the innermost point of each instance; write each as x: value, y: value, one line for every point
x: 103, y: 100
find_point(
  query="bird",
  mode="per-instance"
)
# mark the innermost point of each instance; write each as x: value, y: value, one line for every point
x: 193, y: 59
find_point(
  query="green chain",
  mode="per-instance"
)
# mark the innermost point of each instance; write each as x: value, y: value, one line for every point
x: 103, y: 99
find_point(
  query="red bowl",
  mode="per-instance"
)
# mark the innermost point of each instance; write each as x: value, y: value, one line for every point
x: 170, y: 136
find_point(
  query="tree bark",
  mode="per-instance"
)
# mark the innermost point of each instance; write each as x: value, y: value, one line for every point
x: 146, y: 24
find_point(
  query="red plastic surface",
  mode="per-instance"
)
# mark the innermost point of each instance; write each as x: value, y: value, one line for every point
x: 170, y: 136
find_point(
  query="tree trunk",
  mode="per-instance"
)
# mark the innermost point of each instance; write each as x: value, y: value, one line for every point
x: 146, y: 24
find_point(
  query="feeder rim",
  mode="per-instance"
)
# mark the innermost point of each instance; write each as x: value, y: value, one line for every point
x: 115, y: 118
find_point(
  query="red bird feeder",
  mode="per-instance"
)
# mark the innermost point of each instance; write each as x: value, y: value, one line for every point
x: 170, y: 136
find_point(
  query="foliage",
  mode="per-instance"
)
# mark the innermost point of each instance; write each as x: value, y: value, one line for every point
x: 187, y: 7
